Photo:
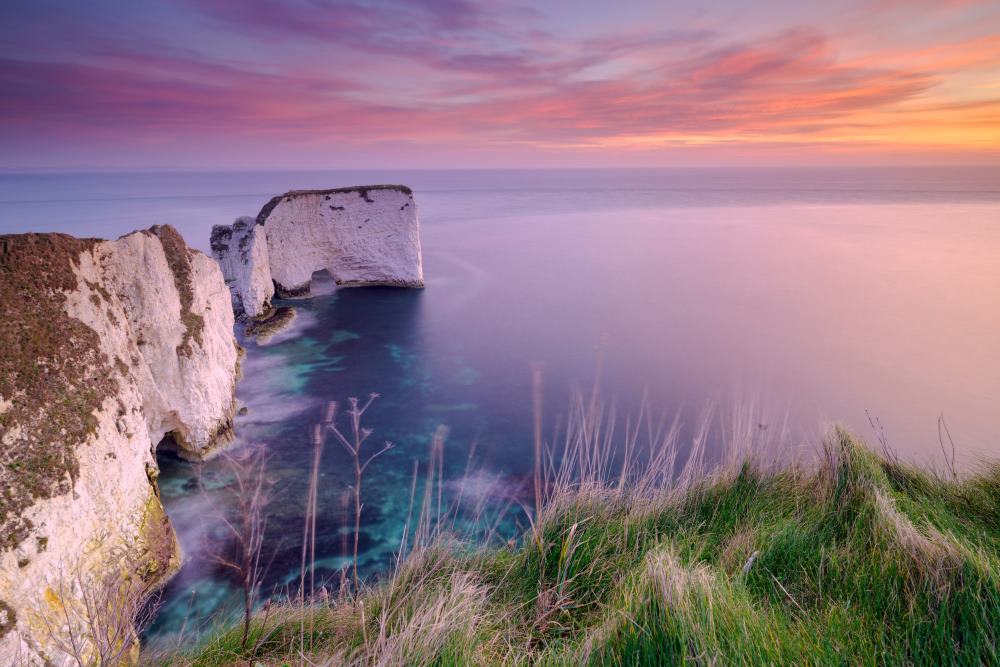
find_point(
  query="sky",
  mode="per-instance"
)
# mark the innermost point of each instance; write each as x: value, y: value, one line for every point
x: 274, y: 84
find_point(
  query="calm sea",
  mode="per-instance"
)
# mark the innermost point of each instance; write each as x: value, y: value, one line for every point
x: 821, y: 296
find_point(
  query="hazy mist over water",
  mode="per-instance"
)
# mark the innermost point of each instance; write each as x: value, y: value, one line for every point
x: 818, y: 294
x: 114, y: 203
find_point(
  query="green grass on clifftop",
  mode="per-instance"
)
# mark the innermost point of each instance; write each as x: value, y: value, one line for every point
x: 858, y: 559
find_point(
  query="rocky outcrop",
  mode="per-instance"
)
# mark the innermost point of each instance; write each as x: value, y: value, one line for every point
x: 367, y: 235
x: 241, y: 250
x: 107, y: 346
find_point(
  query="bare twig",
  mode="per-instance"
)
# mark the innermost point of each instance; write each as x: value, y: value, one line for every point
x: 98, y: 621
x: 883, y: 439
x: 251, y: 491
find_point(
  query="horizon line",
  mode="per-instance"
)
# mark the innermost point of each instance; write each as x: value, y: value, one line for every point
x: 153, y: 169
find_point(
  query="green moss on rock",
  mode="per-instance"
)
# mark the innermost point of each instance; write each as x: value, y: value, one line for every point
x: 53, y: 375
x: 160, y: 556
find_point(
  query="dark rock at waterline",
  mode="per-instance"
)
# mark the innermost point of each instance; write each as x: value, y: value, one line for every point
x: 279, y: 319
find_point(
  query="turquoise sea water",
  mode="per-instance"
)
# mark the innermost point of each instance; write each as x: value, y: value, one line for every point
x: 817, y: 294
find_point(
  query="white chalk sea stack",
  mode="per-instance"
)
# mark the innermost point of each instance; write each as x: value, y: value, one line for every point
x: 241, y: 250
x: 107, y: 347
x: 362, y: 236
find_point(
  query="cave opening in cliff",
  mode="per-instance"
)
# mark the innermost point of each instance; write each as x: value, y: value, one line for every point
x: 322, y: 282
x: 167, y: 444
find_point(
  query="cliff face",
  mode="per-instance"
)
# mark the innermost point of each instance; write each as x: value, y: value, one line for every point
x: 107, y: 346
x: 367, y: 235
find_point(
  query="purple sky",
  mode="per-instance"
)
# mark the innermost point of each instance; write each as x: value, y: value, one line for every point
x: 261, y: 84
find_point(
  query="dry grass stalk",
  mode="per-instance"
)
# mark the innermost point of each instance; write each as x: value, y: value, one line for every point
x: 353, y: 444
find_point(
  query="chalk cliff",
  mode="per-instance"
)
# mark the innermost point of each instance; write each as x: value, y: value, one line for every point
x: 105, y: 347
x: 241, y: 250
x: 366, y: 235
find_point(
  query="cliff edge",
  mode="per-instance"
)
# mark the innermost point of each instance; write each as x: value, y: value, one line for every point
x: 105, y: 348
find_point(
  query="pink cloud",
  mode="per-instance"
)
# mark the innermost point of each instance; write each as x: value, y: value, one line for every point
x: 324, y: 73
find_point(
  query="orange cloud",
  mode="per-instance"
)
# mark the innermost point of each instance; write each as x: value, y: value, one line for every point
x: 463, y: 75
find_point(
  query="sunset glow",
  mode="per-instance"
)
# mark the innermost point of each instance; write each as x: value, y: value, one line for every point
x: 437, y: 83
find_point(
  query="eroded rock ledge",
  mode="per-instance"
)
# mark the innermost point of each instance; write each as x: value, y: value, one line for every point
x: 107, y: 346
x: 365, y: 235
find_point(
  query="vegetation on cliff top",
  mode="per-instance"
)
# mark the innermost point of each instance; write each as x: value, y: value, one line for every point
x: 857, y: 558
x: 179, y: 260
x: 53, y: 375
x: 361, y: 190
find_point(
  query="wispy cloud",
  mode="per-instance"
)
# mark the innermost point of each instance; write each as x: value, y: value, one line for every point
x: 468, y: 73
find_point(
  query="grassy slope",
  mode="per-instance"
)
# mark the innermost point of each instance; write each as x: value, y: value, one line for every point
x: 859, y: 560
